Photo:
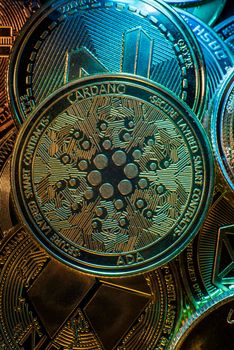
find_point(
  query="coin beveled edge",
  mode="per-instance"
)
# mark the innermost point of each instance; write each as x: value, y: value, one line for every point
x: 216, y: 126
x: 207, y: 161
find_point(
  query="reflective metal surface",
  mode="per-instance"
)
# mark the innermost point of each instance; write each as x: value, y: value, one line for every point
x: 225, y: 30
x: 113, y: 174
x: 147, y: 39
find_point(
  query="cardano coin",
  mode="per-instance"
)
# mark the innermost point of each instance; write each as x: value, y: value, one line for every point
x: 50, y: 306
x: 206, y: 264
x: 207, y: 11
x: 217, y: 56
x: 66, y: 40
x: 14, y: 14
x: 113, y: 175
x: 211, y: 327
x: 222, y: 129
x: 225, y: 30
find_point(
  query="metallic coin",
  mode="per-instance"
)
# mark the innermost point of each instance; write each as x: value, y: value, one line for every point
x: 63, y: 42
x: 222, y: 129
x: 218, y: 58
x: 210, y: 328
x: 207, y: 264
x: 13, y: 15
x: 225, y: 30
x: 113, y: 174
x: 207, y: 11
x: 45, y: 305
x: 8, y: 217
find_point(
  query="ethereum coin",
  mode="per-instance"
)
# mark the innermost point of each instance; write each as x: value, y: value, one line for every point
x: 45, y: 305
x: 67, y: 40
x: 113, y: 175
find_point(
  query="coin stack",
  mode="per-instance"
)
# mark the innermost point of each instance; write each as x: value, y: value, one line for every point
x: 116, y: 175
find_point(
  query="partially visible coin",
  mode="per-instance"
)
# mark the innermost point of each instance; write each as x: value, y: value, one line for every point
x: 45, y: 305
x: 225, y: 30
x: 207, y: 264
x: 113, y: 174
x: 222, y: 129
x: 218, y: 58
x: 63, y: 42
x: 207, y: 11
x: 13, y: 15
x: 8, y: 217
x: 210, y: 328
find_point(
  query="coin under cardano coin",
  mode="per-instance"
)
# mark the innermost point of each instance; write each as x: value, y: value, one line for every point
x: 67, y: 40
x: 8, y: 219
x: 113, y: 174
x: 210, y: 328
x: 207, y: 11
x: 207, y: 264
x: 218, y: 58
x: 222, y: 129
x: 13, y: 15
x: 225, y: 30
x: 45, y: 305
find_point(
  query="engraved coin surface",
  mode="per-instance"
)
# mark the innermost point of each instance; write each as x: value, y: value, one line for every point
x: 120, y: 210
x: 225, y: 30
x: 63, y: 42
x: 13, y: 15
x: 211, y: 327
x: 50, y: 306
x: 207, y: 264
x: 218, y: 58
x: 222, y: 129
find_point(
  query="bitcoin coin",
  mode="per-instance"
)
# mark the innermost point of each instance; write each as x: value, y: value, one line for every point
x: 8, y: 217
x: 225, y: 30
x: 63, y: 42
x: 207, y: 11
x: 113, y: 175
x: 46, y: 305
x: 13, y: 15
x: 217, y: 57
x: 222, y: 133
x: 207, y: 264
x: 210, y: 328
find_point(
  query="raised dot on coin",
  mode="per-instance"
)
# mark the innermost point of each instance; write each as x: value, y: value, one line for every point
x: 83, y: 165
x: 95, y: 177
x: 72, y: 182
x: 153, y: 166
x: 99, y: 211
x: 140, y: 203
x: 106, y: 190
x: 86, y: 144
x: 101, y: 161
x: 125, y: 187
x: 106, y: 144
x: 131, y: 170
x: 127, y: 136
x: 94, y: 224
x: 65, y: 159
x: 166, y: 164
x: 75, y: 206
x: 103, y: 126
x: 149, y: 214
x: 119, y: 204
x: 137, y: 154
x: 59, y: 184
x: 76, y: 134
x: 119, y: 158
x: 131, y: 124
x: 122, y: 222
x: 160, y: 189
x: 150, y: 142
x: 88, y: 194
x: 143, y: 183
